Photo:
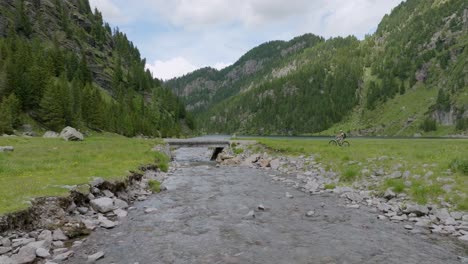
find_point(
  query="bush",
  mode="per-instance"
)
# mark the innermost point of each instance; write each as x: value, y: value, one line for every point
x: 460, y: 165
x: 349, y: 175
x: 162, y: 161
x: 155, y: 186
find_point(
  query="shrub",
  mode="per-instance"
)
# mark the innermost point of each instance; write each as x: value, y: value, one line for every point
x: 162, y: 161
x: 349, y: 175
x: 429, y: 125
x: 460, y: 165
x: 155, y: 186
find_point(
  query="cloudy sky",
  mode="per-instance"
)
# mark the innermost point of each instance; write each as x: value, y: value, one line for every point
x: 179, y: 36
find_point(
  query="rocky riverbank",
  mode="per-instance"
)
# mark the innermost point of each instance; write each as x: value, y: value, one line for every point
x: 308, y: 175
x: 50, y: 230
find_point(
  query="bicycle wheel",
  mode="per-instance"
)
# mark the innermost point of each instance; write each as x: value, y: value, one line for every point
x: 345, y: 144
x: 332, y: 143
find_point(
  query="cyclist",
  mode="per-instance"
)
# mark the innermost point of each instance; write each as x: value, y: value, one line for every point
x: 340, y: 137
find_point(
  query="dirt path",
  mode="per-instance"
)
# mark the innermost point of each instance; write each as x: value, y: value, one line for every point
x: 202, y: 219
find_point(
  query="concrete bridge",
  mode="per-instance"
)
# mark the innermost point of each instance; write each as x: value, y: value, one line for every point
x: 216, y: 145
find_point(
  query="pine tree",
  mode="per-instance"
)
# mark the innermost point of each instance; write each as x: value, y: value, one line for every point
x: 9, y: 114
x: 52, y: 110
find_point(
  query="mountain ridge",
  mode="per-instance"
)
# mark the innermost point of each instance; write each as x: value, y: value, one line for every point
x: 416, y: 56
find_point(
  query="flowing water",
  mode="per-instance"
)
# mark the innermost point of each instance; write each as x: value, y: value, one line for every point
x: 203, y: 218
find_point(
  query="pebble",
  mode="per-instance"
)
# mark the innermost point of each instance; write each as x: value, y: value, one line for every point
x: 42, y: 253
x: 408, y: 227
x: 310, y: 213
x: 249, y: 215
x: 261, y: 207
x: 150, y: 210
x: 288, y: 195
x: 93, y: 258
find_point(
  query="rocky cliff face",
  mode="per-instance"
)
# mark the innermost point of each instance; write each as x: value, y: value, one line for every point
x: 47, y: 18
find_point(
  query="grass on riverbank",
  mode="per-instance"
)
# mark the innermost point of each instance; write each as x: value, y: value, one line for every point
x: 45, y: 167
x: 438, y: 167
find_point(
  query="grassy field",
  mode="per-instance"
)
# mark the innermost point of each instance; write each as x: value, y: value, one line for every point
x: 433, y: 163
x: 45, y: 167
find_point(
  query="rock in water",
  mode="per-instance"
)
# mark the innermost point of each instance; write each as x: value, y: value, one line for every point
x: 288, y: 195
x: 249, y: 215
x: 151, y: 210
x: 7, y: 149
x: 310, y: 213
x: 103, y: 205
x: 51, y: 134
x: 261, y: 207
x: 93, y: 258
x: 71, y: 134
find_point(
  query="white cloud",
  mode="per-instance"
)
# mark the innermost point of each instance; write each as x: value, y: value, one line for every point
x: 110, y: 11
x: 221, y: 65
x: 171, y: 68
x: 180, y: 35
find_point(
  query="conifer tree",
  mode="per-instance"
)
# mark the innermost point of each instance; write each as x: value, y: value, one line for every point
x: 52, y: 110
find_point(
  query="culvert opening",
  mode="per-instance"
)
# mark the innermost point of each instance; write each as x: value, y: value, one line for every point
x: 216, y: 152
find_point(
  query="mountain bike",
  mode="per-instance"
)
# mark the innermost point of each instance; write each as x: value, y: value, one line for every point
x: 337, y: 142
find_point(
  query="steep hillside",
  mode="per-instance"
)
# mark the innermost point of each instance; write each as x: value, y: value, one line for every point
x: 60, y: 64
x: 410, y: 77
x: 206, y: 87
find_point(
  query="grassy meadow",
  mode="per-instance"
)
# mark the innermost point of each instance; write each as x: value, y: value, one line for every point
x: 432, y: 163
x: 46, y: 167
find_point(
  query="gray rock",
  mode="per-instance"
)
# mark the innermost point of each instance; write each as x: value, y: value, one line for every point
x: 409, y: 227
x: 150, y: 210
x: 275, y: 164
x: 96, y: 182
x: 419, y: 210
x: 89, y: 224
x: 6, y: 242
x: 22, y: 241
x: 45, y: 244
x: 395, y: 175
x: 93, y: 258
x: 250, y: 160
x: 261, y: 207
x: 249, y: 215
x: 389, y: 194
x: 310, y: 213
x: 463, y: 259
x: 82, y: 210
x: 120, y: 213
x: 442, y: 214
x: 120, y: 204
x: 103, y: 205
x: 106, y: 223
x: 384, y: 207
x: 6, y: 260
x: 59, y: 235
x: 42, y: 253
x: 322, y: 204
x: 457, y: 215
x: 311, y: 186
x: 58, y: 251
x: 450, y: 221
x: 464, y: 219
x: 25, y: 255
x: 4, y: 250
x: 45, y: 235
x: 381, y: 217
x: 288, y: 195
x: 7, y: 149
x: 71, y: 134
x: 58, y: 244
x: 63, y: 256
x: 353, y: 206
x: 108, y: 193
x: 353, y: 197
x: 464, y: 238
x: 51, y: 134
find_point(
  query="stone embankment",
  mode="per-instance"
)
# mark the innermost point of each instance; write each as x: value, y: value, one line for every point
x: 310, y: 176
x: 50, y: 230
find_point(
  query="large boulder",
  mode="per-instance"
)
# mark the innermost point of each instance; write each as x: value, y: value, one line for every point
x: 6, y: 149
x: 103, y: 205
x: 25, y: 255
x: 51, y: 134
x: 71, y: 134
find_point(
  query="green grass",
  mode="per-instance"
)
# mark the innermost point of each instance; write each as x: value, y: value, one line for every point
x: 43, y: 167
x: 155, y: 186
x: 418, y: 156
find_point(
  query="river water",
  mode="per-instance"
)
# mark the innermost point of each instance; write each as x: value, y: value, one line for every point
x: 203, y: 218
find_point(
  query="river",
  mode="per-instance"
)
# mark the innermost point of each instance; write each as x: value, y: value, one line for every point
x: 203, y: 217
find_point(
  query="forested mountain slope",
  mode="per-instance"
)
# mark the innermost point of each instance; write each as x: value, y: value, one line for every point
x: 60, y: 64
x: 410, y: 77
